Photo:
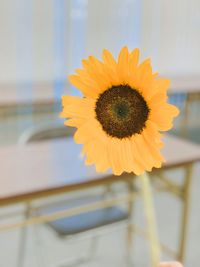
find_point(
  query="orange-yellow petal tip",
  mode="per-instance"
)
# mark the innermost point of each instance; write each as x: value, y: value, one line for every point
x: 123, y: 51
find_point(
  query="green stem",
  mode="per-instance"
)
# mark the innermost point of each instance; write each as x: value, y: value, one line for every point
x: 151, y: 220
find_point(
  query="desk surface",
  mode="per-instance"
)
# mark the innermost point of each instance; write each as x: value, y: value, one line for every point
x: 184, y: 84
x: 40, y: 169
x: 45, y: 92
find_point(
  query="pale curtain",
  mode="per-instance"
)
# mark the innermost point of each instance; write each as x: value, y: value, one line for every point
x: 45, y: 40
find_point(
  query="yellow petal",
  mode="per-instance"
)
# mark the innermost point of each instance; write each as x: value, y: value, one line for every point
x: 145, y: 69
x: 75, y: 122
x: 82, y: 72
x: 96, y: 153
x: 155, y: 75
x: 141, y: 77
x: 157, y: 86
x: 114, y: 156
x: 133, y: 62
x: 97, y: 65
x: 157, y: 100
x: 89, y: 131
x: 127, y: 156
x: 87, y: 79
x: 137, y: 155
x: 68, y: 100
x: 78, y: 107
x: 154, y: 148
x: 93, y: 65
x: 123, y: 65
x: 143, y: 152
x: 163, y: 116
x: 162, y: 84
x: 134, y: 59
x: 98, y: 75
x: 87, y: 88
x: 152, y: 131
x: 109, y: 59
x: 112, y: 74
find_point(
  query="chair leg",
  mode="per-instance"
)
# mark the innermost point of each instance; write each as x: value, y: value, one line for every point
x: 185, y: 212
x: 83, y: 259
x: 129, y: 234
x: 22, y: 246
x: 23, y: 239
x: 38, y: 247
x: 92, y: 248
x: 108, y: 191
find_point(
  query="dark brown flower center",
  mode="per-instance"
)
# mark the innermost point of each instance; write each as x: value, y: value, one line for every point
x: 122, y: 111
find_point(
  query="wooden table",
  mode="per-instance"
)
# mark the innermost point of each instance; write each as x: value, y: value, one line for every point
x: 27, y: 93
x: 53, y: 167
x: 50, y: 167
x: 184, y: 84
x: 43, y: 93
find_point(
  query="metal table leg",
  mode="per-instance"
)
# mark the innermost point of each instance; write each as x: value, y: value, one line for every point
x: 23, y: 239
x: 185, y: 212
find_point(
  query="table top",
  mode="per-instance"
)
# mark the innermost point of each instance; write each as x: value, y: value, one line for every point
x: 184, y: 84
x: 45, y: 92
x: 32, y: 93
x: 50, y: 167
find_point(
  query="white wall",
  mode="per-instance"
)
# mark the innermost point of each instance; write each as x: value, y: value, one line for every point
x: 171, y: 34
x: 32, y: 46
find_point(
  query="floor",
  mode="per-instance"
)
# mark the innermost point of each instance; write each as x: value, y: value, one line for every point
x: 111, y: 246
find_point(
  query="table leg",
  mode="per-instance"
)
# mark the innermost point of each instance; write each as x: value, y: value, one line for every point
x: 185, y: 213
x: 184, y: 129
x: 23, y: 239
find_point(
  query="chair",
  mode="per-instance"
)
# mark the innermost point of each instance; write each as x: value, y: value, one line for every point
x: 77, y: 224
x: 162, y: 183
x: 45, y: 131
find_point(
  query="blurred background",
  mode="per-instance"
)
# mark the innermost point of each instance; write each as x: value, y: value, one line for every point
x: 43, y: 41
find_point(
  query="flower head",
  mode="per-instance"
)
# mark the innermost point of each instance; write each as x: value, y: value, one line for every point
x: 123, y: 109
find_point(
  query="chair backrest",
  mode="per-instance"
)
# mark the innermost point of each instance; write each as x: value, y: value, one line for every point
x: 44, y: 132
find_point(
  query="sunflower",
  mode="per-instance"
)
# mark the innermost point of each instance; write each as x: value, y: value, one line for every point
x: 123, y: 109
